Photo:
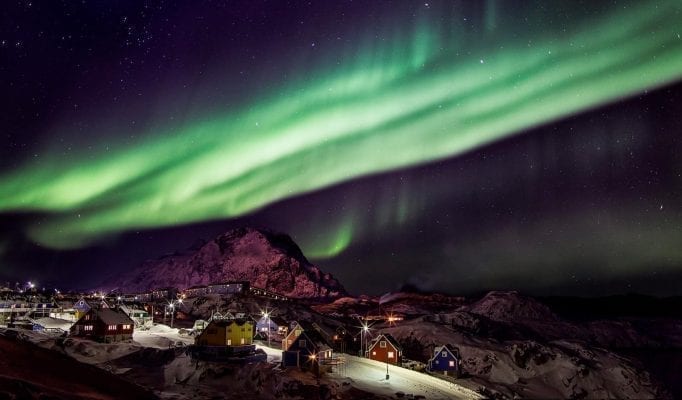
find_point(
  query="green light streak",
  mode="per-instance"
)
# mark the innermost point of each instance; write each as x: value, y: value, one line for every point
x: 392, y: 105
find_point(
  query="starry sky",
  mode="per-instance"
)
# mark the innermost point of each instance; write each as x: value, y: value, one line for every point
x: 454, y: 146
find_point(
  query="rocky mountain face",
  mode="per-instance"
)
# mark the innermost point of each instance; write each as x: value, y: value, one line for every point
x: 266, y: 259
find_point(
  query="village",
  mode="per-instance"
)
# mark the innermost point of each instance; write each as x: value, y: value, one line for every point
x: 233, y: 323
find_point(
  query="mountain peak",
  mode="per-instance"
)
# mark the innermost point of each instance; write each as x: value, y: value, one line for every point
x: 265, y: 258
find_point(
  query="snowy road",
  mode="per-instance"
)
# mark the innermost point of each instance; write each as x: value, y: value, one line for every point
x: 370, y: 375
x: 362, y: 373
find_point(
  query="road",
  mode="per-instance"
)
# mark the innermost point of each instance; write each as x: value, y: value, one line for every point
x: 370, y: 376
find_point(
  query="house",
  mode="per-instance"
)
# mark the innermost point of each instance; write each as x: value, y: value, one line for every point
x: 304, y: 345
x: 104, y: 325
x: 195, y: 291
x: 228, y: 287
x: 140, y: 317
x: 167, y: 293
x: 278, y: 326
x: 218, y: 315
x: 53, y: 325
x: 226, y: 332
x: 445, y: 359
x: 385, y: 348
x: 81, y: 307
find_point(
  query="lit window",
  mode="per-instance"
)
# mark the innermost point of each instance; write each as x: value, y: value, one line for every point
x: 452, y: 363
x: 374, y: 353
x: 382, y: 344
x: 390, y: 354
x: 88, y: 327
x: 112, y: 327
x: 126, y: 326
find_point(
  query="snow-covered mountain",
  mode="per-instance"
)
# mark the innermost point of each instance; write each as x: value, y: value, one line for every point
x: 266, y: 259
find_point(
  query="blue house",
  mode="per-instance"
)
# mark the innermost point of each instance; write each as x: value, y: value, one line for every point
x: 445, y: 359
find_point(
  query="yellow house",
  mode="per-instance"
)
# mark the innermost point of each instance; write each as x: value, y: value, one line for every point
x: 226, y: 332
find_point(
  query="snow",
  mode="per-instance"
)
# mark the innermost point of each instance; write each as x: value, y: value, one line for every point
x: 274, y: 353
x: 370, y: 375
x: 161, y: 337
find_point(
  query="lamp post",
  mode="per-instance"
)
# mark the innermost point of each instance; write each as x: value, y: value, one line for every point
x: 365, y: 329
x: 316, y: 365
x: 267, y: 317
x: 172, y: 307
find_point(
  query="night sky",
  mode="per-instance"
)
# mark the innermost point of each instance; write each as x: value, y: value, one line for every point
x: 454, y: 146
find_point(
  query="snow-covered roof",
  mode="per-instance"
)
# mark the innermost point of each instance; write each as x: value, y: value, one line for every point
x: 111, y: 316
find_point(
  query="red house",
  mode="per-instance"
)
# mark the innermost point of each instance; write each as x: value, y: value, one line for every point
x: 104, y: 325
x: 385, y: 349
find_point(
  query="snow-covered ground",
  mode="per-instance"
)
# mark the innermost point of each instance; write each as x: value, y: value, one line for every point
x: 162, y: 337
x: 370, y: 375
x: 274, y: 353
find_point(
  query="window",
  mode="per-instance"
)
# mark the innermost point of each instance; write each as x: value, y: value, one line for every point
x: 301, y: 343
x: 374, y: 353
x: 87, y: 328
x: 243, y: 341
x: 229, y: 342
x: 444, y: 354
x: 382, y: 344
x: 112, y: 327
x: 452, y: 363
x: 87, y: 317
x: 125, y: 327
x: 391, y: 354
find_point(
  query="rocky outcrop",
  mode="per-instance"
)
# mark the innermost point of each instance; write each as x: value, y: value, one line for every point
x: 266, y: 259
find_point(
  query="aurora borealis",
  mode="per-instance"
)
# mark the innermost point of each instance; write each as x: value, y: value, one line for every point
x: 349, y: 127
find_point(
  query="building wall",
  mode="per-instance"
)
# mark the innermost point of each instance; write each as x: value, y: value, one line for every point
x: 379, y: 353
x: 443, y: 361
x: 240, y: 334
x: 230, y: 335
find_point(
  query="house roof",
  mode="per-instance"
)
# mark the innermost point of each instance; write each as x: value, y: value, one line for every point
x: 279, y: 321
x: 317, y: 339
x: 228, y: 322
x: 454, y: 351
x: 389, y: 338
x: 111, y: 316
x: 311, y: 334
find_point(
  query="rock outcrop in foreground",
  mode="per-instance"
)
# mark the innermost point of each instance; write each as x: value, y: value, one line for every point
x: 266, y: 259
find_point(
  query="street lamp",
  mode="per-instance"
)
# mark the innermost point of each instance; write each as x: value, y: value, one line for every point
x: 316, y: 365
x: 365, y: 329
x: 172, y: 307
x: 266, y: 315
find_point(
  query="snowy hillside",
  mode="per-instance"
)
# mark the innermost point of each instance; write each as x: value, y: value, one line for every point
x: 265, y: 259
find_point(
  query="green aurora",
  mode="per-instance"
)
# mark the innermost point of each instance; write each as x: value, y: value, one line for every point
x: 420, y: 97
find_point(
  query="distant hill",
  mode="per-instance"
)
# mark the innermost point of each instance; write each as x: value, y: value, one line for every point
x: 266, y: 259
